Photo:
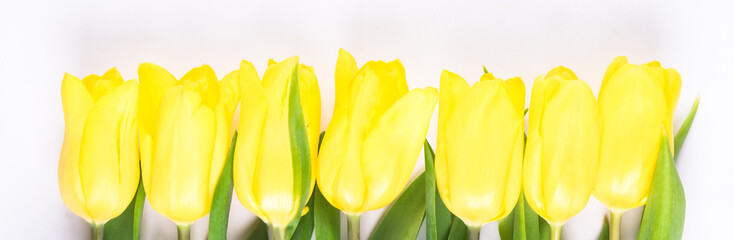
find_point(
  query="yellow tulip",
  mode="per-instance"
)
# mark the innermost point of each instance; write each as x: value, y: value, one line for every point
x: 375, y: 135
x: 634, y: 101
x: 263, y: 169
x: 480, y: 144
x: 562, y: 150
x: 184, y: 138
x: 98, y: 167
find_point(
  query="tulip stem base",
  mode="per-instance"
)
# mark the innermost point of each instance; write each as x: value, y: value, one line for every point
x: 353, y: 226
x: 473, y: 232
x: 184, y: 231
x: 556, y: 231
x: 276, y: 233
x: 615, y: 224
x: 97, y: 231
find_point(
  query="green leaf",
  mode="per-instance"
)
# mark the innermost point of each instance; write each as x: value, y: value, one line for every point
x: 544, y: 228
x: 222, y: 199
x: 485, y: 69
x: 405, y: 216
x: 438, y: 217
x: 257, y: 230
x: 301, y: 159
x: 665, y: 210
x: 680, y: 137
x: 526, y: 221
x: 304, y: 231
x: 326, y: 217
x: 506, y: 225
x: 604, y: 234
x: 458, y: 230
x: 127, y: 225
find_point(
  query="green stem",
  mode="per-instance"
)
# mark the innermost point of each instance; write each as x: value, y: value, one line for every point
x: 278, y: 233
x: 473, y: 233
x: 353, y: 226
x: 184, y: 231
x: 615, y: 224
x: 556, y: 231
x: 97, y: 231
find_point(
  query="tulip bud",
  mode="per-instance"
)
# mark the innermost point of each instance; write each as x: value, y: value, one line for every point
x: 184, y: 138
x: 634, y: 100
x: 480, y: 143
x: 263, y: 165
x: 562, y: 150
x: 375, y: 135
x: 98, y: 167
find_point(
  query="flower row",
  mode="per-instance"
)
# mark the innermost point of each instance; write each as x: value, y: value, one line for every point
x: 174, y: 134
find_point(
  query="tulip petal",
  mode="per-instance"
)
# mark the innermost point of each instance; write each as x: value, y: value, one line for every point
x: 616, y: 64
x: 179, y: 187
x: 205, y: 81
x: 252, y: 122
x: 390, y: 149
x: 229, y: 97
x: 453, y: 87
x: 76, y: 103
x: 515, y: 88
x: 108, y: 161
x: 346, y: 68
x: 100, y: 86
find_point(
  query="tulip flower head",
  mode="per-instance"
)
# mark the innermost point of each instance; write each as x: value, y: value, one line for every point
x: 98, y: 167
x: 184, y: 138
x: 562, y: 150
x: 480, y: 143
x: 375, y: 135
x: 634, y: 100
x: 263, y: 165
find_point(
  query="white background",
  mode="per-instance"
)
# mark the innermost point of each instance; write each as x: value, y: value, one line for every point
x: 39, y: 41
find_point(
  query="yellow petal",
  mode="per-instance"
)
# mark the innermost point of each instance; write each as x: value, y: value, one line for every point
x: 346, y: 68
x: 204, y: 80
x: 229, y: 97
x: 154, y: 81
x: 252, y: 122
x: 108, y: 161
x: 183, y: 151
x: 562, y: 72
x: 616, y: 64
x: 76, y: 103
x: 515, y: 88
x: 100, y: 86
x: 453, y: 88
x: 391, y: 148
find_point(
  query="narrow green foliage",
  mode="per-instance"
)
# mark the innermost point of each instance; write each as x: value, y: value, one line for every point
x: 299, y: 149
x: 404, y: 218
x: 664, y: 213
x: 127, y: 225
x: 680, y: 137
x: 222, y: 200
x: 438, y: 217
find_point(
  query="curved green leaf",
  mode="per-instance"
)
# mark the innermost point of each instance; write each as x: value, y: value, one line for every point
x: 304, y: 231
x: 525, y: 221
x: 222, y: 199
x: 405, y: 217
x: 506, y: 226
x: 664, y: 213
x: 299, y: 149
x: 127, y: 225
x: 257, y: 230
x: 458, y: 230
x: 680, y: 137
x: 438, y: 217
x: 604, y: 234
